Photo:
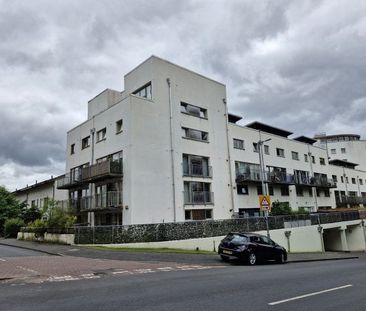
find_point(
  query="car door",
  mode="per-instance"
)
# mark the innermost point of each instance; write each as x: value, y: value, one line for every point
x: 268, y: 249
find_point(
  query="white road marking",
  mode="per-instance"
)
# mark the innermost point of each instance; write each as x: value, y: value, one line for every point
x: 143, y: 271
x: 90, y: 276
x: 122, y: 272
x: 166, y: 269
x: 309, y: 295
x: 1, y: 259
x: 27, y: 269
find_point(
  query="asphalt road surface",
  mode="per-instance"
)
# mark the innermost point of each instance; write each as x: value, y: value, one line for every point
x: 8, y: 251
x: 328, y: 285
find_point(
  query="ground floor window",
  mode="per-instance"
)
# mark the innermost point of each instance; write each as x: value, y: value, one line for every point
x: 249, y: 212
x: 198, y: 214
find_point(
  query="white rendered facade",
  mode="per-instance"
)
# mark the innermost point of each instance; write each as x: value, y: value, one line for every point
x: 163, y: 151
x: 40, y: 193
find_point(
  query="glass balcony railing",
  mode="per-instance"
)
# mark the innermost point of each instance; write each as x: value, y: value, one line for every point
x: 198, y: 197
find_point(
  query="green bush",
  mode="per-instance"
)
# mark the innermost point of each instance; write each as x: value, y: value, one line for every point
x: 281, y: 208
x: 12, y: 227
x: 59, y: 218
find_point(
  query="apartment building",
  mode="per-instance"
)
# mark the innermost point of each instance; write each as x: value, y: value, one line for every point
x: 166, y: 149
x: 39, y: 193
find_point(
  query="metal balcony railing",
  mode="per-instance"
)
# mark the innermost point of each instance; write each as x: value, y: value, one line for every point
x: 198, y: 197
x: 348, y: 200
x: 281, y: 178
x: 195, y: 170
x: 68, y: 181
x: 323, y: 182
x: 101, y: 170
x: 253, y: 175
x: 111, y: 199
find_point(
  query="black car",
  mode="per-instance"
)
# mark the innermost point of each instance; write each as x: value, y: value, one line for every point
x: 251, y: 248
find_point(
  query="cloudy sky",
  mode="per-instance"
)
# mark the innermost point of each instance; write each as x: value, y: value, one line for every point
x: 298, y: 65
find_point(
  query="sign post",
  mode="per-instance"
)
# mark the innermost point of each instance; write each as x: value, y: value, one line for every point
x: 265, y: 205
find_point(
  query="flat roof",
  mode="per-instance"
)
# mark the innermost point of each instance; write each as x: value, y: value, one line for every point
x: 344, y: 163
x: 305, y: 139
x: 269, y: 129
x: 319, y: 136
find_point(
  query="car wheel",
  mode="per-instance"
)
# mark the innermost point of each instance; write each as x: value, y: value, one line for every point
x: 281, y: 258
x: 224, y: 258
x: 252, y: 259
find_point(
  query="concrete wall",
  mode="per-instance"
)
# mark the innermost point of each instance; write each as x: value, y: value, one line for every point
x: 47, y: 237
x: 302, y: 239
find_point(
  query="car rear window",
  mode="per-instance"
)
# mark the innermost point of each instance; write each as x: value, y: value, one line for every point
x: 236, y: 238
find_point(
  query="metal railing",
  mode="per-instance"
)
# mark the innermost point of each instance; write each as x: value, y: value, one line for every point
x: 198, y: 197
x: 250, y: 175
x: 315, y: 181
x: 68, y: 181
x: 195, y: 170
x: 110, y: 199
x: 345, y: 200
x: 102, y: 169
x: 281, y: 178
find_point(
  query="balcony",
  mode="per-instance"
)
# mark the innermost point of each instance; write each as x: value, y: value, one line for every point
x: 195, y: 170
x: 93, y: 173
x: 343, y: 201
x: 281, y: 178
x: 252, y: 175
x: 68, y: 181
x: 102, y: 170
x: 322, y: 182
x: 198, y: 197
x: 108, y: 200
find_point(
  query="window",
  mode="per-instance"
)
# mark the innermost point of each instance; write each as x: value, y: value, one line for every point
x: 334, y: 177
x: 85, y: 142
x: 280, y: 152
x: 197, y: 193
x: 144, y: 91
x: 101, y: 135
x: 343, y: 150
x: 333, y: 151
x: 195, y: 134
x: 306, y: 158
x: 299, y: 192
x: 72, y: 149
x: 342, y: 179
x: 255, y: 147
x: 285, y: 191
x: 119, y: 125
x: 242, y: 189
x: 353, y: 180
x: 313, y: 159
x: 295, y: 155
x: 310, y: 190
x: 199, y: 214
x: 270, y: 190
x: 193, y: 110
x: 196, y: 166
x: 327, y: 193
x: 347, y: 180
x: 238, y: 144
x: 318, y: 192
x: 360, y: 181
x: 322, y: 161
x: 266, y: 149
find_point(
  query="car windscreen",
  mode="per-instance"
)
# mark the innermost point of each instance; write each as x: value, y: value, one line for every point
x: 236, y: 239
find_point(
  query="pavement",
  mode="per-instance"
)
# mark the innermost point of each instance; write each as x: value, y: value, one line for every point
x: 81, y: 251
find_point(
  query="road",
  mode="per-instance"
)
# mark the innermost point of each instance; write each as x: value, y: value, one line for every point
x: 327, y: 285
x: 8, y: 251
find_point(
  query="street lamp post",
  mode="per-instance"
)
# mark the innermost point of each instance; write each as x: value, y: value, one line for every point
x: 262, y: 177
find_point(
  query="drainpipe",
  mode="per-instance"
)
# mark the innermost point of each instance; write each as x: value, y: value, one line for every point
x: 229, y: 157
x: 171, y: 148
x: 312, y: 175
x: 91, y: 219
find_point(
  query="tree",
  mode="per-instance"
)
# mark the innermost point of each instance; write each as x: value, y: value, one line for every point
x: 10, y: 207
x: 280, y: 208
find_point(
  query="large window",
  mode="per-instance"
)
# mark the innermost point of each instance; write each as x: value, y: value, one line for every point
x: 195, y: 134
x: 193, y: 110
x: 322, y: 161
x: 196, y: 166
x: 85, y: 142
x: 101, y: 134
x: 119, y: 125
x: 197, y: 193
x: 295, y: 155
x: 144, y: 91
x: 238, y: 144
x: 280, y: 152
x: 198, y: 214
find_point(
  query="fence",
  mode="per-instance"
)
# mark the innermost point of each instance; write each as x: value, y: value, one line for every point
x: 198, y: 229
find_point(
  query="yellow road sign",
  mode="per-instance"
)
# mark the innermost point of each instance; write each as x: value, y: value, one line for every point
x: 265, y: 202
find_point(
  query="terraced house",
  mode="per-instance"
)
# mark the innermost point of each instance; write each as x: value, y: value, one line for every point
x: 166, y: 150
